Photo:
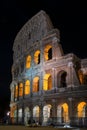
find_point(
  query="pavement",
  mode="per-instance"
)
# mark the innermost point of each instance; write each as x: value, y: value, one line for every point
x: 16, y: 127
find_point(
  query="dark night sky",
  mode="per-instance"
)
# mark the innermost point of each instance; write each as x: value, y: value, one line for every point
x: 69, y: 16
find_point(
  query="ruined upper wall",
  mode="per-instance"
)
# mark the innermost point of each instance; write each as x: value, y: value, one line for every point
x: 37, y: 27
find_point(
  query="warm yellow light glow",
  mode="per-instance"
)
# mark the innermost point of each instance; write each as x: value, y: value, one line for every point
x: 81, y: 109
x: 36, y: 84
x: 27, y: 87
x: 21, y: 89
x: 80, y: 77
x: 65, y: 112
x: 65, y: 107
x: 37, y: 57
x: 28, y: 62
x: 12, y: 110
x: 47, y: 82
x: 46, y: 57
x: 16, y: 91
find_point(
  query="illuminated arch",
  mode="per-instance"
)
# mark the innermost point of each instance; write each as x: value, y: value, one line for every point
x: 81, y: 109
x: 48, y: 52
x: 20, y: 115
x: 36, y: 84
x: 36, y: 113
x: 80, y: 73
x: 27, y: 115
x: 20, y: 89
x: 62, y: 113
x: 46, y: 112
x: 47, y: 82
x: 65, y: 112
x: 16, y: 91
x: 37, y: 57
x: 27, y: 87
x: 28, y: 62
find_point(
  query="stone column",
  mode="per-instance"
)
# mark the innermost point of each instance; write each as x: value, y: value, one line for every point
x: 72, y: 79
x: 17, y: 115
x: 18, y: 92
x: 23, y: 89
x: 41, y: 53
x: 70, y: 110
x: 57, y: 49
x: 70, y: 75
x: 31, y: 85
x: 31, y: 112
x: 14, y: 92
x: 23, y: 114
x: 54, y: 111
x: 53, y: 78
x: 41, y: 81
x: 41, y: 114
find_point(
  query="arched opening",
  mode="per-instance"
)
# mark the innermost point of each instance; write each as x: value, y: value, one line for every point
x: 46, y: 113
x: 36, y: 84
x: 27, y: 115
x: 37, y: 57
x: 61, y: 78
x: 27, y: 87
x: 81, y: 113
x: 48, y: 52
x: 36, y: 113
x: 20, y: 115
x: 28, y: 62
x: 16, y: 91
x: 62, y: 113
x: 80, y: 76
x: 47, y: 82
x: 65, y: 112
x: 20, y: 89
x: 81, y: 109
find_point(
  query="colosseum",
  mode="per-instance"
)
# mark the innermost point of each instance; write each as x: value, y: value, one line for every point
x: 47, y: 85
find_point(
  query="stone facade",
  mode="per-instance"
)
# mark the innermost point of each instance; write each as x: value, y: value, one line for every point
x: 47, y: 85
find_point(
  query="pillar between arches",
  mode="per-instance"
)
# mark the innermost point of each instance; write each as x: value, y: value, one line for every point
x: 54, y: 111
x: 71, y: 111
x: 41, y: 114
x: 31, y: 112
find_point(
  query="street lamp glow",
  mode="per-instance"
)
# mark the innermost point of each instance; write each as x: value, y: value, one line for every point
x: 8, y: 113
